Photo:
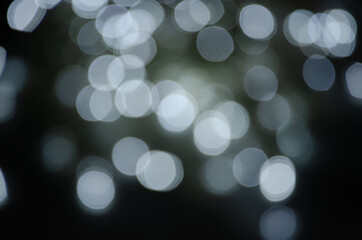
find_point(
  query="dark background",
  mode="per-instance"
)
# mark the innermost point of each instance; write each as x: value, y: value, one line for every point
x: 327, y: 197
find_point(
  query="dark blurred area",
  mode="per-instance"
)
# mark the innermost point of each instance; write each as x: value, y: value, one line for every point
x: 326, y: 200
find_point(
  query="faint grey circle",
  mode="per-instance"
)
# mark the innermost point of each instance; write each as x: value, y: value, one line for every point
x: 278, y: 223
x: 260, y: 83
x: 214, y: 44
x: 319, y: 73
x: 247, y: 165
x: 354, y: 80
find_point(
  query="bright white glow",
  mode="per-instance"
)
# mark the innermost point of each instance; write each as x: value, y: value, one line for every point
x: 82, y: 103
x: 15, y: 73
x: 354, y: 80
x: 277, y: 178
x: 218, y: 177
x: 149, y: 10
x: 2, y: 59
x: 100, y: 104
x: 3, y: 189
x: 159, y: 171
x: 106, y: 72
x: 278, y: 223
x: 177, y: 111
x: 294, y: 139
x: 88, y: 9
x: 141, y: 54
x: 134, y: 98
x: 273, y: 114
x: 212, y: 133
x: 247, y: 165
x: 89, y: 40
x: 260, y: 83
x: 319, y: 73
x: 25, y: 15
x: 296, y: 27
x: 257, y: 21
x: 7, y: 101
x: 237, y: 117
x: 162, y: 89
x: 95, y: 189
x: 68, y: 83
x: 113, y: 21
x: 126, y: 153
x: 48, y: 4
x: 214, y: 44
x: 191, y: 15
x: 58, y: 153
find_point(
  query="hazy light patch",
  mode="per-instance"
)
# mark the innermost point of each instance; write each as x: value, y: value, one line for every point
x: 296, y: 27
x: 278, y: 223
x: 134, y: 98
x: 100, y: 104
x: 260, y: 83
x: 126, y: 3
x: 274, y: 114
x: 113, y: 21
x: 247, y: 165
x: 177, y: 111
x: 2, y: 59
x: 251, y: 46
x: 277, y: 178
x: 294, y: 139
x: 162, y: 89
x: 217, y: 175
x: 257, y: 22
x: 216, y: 10
x: 58, y: 152
x: 7, y: 101
x: 25, y: 15
x: 132, y: 61
x: 213, y: 94
x: 82, y: 103
x: 229, y: 20
x: 237, y: 117
x: 126, y: 153
x: 214, y: 44
x: 106, y: 72
x: 145, y: 52
x: 212, y: 133
x: 88, y: 9
x: 48, y: 4
x: 159, y: 171
x: 149, y: 8
x: 68, y: 83
x: 191, y: 15
x: 194, y: 79
x: 354, y: 80
x: 319, y: 73
x: 3, y: 189
x: 89, y: 40
x: 15, y: 73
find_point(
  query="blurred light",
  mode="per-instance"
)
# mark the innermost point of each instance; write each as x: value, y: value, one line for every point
x: 68, y: 83
x: 25, y: 15
x: 48, y: 4
x: 126, y: 153
x: 149, y: 10
x: 247, y: 165
x: 260, y: 83
x: 100, y: 104
x: 3, y: 189
x: 277, y: 178
x: 278, y: 223
x: 7, y: 101
x: 95, y: 189
x: 214, y: 44
x: 251, y: 46
x: 257, y: 21
x: 177, y: 111
x: 58, y: 152
x: 273, y: 114
x: 106, y: 72
x: 294, y: 139
x: 192, y: 15
x: 354, y: 80
x: 218, y: 177
x: 89, y: 40
x: 296, y: 27
x: 213, y: 94
x: 162, y: 89
x: 142, y: 53
x: 88, y: 9
x: 82, y: 103
x: 134, y: 98
x: 237, y: 117
x: 212, y: 133
x: 126, y: 3
x: 319, y: 73
x: 216, y: 10
x: 229, y: 20
x: 2, y: 59
x: 159, y: 171
x: 15, y: 73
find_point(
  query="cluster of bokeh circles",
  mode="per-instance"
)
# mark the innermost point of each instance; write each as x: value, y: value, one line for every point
x: 138, y: 69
